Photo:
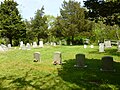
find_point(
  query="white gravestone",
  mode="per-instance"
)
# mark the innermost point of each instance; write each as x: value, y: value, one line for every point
x: 9, y: 46
x: 101, y: 47
x: 54, y: 44
x: 91, y: 46
x: 34, y: 45
x: 23, y: 47
x: 21, y: 44
x: 1, y: 49
x: 28, y: 46
x: 118, y: 46
x: 107, y: 44
x: 85, y: 46
x: 41, y: 44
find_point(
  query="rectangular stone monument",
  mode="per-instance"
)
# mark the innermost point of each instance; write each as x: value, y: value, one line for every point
x: 28, y: 46
x: 41, y: 44
x: 37, y: 57
x: 34, y: 45
x: 80, y: 61
x: 23, y: 47
x: 107, y: 44
x: 57, y: 58
x: 101, y: 47
x: 107, y: 63
x: 21, y: 44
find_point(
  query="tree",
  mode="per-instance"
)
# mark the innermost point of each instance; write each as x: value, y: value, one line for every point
x: 11, y: 24
x: 39, y: 25
x: 72, y: 20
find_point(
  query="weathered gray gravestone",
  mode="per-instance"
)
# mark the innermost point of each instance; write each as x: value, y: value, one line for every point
x: 80, y: 60
x: 101, y: 47
x: 107, y: 63
x: 57, y: 59
x: 37, y: 57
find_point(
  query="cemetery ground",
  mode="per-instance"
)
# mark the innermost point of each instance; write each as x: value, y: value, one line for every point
x: 19, y: 72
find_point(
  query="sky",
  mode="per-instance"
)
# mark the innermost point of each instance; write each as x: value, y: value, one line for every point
x: 27, y: 8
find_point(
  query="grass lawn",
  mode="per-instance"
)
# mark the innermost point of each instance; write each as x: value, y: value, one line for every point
x: 19, y: 72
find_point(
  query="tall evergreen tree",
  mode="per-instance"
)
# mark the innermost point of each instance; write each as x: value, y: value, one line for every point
x: 72, y: 20
x: 11, y: 23
x: 39, y: 25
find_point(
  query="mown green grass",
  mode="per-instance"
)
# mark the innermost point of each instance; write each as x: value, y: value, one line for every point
x: 19, y: 72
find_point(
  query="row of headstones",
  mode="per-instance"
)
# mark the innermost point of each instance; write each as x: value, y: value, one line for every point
x: 107, y: 44
x: 34, y: 45
x: 107, y: 61
x: 4, y: 47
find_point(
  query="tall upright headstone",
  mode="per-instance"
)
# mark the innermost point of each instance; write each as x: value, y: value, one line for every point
x: 21, y: 44
x: 34, y: 45
x: 118, y: 46
x: 80, y: 61
x: 28, y: 46
x: 57, y: 59
x: 101, y: 47
x: 41, y: 44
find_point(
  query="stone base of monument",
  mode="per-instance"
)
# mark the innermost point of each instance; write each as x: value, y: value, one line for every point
x: 80, y: 61
x: 107, y: 64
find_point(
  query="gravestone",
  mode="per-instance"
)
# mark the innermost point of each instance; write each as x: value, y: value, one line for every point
x: 41, y: 44
x: 9, y: 46
x: 21, y: 44
x: 57, y: 59
x: 91, y: 46
x: 28, y: 46
x: 1, y: 49
x: 85, y: 46
x: 23, y: 47
x: 80, y: 61
x: 107, y: 44
x: 37, y: 57
x: 101, y: 47
x: 54, y: 44
x: 107, y: 63
x: 34, y: 45
x: 5, y: 48
x: 118, y: 46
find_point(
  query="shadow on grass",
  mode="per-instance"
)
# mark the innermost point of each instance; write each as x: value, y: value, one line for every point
x: 109, y: 51
x: 90, y: 78
x: 37, y: 82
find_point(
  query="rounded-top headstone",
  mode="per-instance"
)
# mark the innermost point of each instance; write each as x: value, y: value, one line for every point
x: 107, y: 63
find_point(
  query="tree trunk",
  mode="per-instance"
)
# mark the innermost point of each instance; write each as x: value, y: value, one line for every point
x: 10, y: 39
x: 72, y: 40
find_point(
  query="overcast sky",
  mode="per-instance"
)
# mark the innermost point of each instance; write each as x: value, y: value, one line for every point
x: 28, y: 8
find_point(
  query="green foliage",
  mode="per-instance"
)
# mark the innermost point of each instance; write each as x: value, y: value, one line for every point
x: 39, y: 25
x: 106, y: 11
x: 71, y: 22
x: 11, y: 24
